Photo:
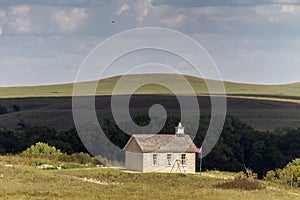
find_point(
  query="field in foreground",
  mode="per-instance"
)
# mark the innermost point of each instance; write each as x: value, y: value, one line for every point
x: 27, y: 182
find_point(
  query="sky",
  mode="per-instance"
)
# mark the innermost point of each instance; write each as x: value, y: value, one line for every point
x: 251, y: 41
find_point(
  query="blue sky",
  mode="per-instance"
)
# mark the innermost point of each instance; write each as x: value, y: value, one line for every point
x: 45, y: 42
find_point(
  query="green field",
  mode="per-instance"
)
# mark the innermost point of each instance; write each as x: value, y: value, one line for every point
x: 27, y: 182
x: 106, y: 87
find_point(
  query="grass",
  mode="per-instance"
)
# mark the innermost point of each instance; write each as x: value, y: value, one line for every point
x: 27, y: 182
x: 288, y: 91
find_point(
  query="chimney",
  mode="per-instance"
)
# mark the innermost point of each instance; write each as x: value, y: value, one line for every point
x: 179, y: 130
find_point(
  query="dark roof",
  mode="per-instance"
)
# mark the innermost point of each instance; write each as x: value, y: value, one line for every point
x: 163, y: 143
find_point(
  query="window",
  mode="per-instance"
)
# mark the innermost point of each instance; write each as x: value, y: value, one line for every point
x: 169, y: 159
x: 183, y: 159
x: 154, y: 161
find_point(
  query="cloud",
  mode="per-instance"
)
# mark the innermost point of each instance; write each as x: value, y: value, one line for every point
x: 288, y: 9
x: 142, y: 15
x: 2, y: 20
x: 173, y: 21
x: 19, y: 20
x: 229, y: 3
x: 122, y: 9
x: 2, y: 14
x: 70, y: 20
x: 142, y: 10
x: 54, y: 3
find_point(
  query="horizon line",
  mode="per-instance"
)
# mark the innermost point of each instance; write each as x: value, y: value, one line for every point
x: 67, y: 83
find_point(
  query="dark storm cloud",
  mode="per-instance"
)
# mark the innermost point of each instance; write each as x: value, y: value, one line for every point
x: 216, y: 3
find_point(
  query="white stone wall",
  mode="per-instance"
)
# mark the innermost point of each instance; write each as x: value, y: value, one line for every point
x: 134, y: 161
x: 162, y: 162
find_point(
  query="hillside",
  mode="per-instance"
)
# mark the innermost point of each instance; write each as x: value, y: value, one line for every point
x: 18, y: 180
x: 106, y: 86
x: 263, y: 107
x: 57, y: 111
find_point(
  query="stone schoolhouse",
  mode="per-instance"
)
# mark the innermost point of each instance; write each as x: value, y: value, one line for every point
x: 161, y: 152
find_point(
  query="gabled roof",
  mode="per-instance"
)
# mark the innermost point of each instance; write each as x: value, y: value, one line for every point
x: 161, y: 143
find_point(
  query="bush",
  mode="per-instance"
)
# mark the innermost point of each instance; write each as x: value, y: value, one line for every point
x: 3, y: 110
x: 16, y: 108
x: 82, y: 158
x: 241, y: 184
x: 45, y: 153
x: 289, y: 175
x: 41, y: 148
x: 271, y: 176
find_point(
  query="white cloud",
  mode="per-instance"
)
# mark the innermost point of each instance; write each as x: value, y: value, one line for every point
x: 122, y: 9
x: 142, y: 15
x: 2, y: 13
x: 2, y: 20
x: 69, y: 21
x: 206, y: 10
x: 290, y: 9
x: 20, y: 19
x: 276, y: 13
x: 143, y: 8
x: 173, y: 21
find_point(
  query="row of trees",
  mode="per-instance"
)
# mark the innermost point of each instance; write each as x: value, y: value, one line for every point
x: 16, y: 141
x: 238, y: 146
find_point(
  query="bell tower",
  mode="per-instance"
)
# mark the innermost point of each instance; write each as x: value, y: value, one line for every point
x: 179, y: 130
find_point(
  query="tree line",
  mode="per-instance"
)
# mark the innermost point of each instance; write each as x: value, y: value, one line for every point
x: 238, y: 146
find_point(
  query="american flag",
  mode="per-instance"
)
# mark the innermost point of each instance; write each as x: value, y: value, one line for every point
x: 198, y: 150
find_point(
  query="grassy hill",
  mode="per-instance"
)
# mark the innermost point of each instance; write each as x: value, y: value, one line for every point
x: 22, y: 181
x: 261, y: 106
x: 106, y: 87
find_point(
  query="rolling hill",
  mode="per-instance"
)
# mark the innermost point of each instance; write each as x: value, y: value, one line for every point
x: 106, y: 86
x: 264, y: 107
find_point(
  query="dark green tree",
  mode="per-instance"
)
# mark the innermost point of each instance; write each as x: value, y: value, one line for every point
x: 3, y: 110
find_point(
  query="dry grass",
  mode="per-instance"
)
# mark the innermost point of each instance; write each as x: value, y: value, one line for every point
x: 27, y: 182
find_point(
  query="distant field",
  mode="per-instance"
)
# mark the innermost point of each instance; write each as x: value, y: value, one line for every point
x: 27, y: 182
x: 289, y: 91
x: 57, y: 111
x: 261, y: 106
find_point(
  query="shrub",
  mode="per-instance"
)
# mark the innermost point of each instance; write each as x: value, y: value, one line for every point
x: 82, y: 158
x: 271, y: 175
x: 41, y: 148
x: 289, y: 175
x: 241, y: 184
x: 3, y: 110
x: 16, y: 108
x: 45, y: 153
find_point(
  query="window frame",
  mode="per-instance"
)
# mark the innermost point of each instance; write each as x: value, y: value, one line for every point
x: 183, y: 159
x: 154, y: 160
x: 169, y: 159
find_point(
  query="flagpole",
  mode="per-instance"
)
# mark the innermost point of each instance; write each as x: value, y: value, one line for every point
x: 200, y: 160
